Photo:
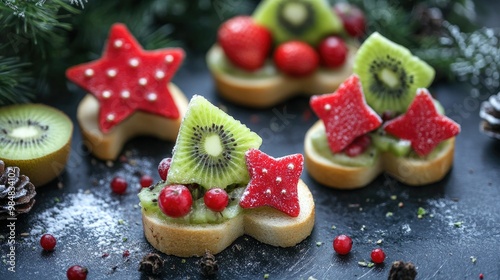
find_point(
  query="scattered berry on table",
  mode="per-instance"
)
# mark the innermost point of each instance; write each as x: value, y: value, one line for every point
x: 163, y: 168
x: 332, y: 51
x: 77, y: 272
x: 216, y: 199
x: 48, y: 242
x: 342, y: 244
x: 378, y: 256
x: 118, y: 185
x: 146, y: 181
x: 175, y: 200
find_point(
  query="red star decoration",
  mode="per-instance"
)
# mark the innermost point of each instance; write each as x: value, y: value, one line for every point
x: 345, y: 114
x: 273, y: 182
x: 127, y: 79
x: 422, y: 124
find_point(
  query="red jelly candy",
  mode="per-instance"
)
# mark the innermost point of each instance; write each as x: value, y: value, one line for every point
x: 273, y: 182
x: 345, y: 114
x: 127, y: 79
x: 422, y: 124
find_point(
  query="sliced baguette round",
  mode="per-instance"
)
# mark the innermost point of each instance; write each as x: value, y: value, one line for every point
x: 419, y: 172
x: 107, y: 146
x: 332, y: 174
x: 411, y: 171
x: 265, y: 224
x: 262, y: 92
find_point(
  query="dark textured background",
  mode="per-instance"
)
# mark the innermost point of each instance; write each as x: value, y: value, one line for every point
x: 440, y: 250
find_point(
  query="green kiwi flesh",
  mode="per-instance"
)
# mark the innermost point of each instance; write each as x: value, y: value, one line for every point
x: 304, y: 20
x: 320, y: 144
x: 36, y: 138
x: 388, y: 143
x: 210, y: 148
x: 390, y: 74
x: 199, y: 213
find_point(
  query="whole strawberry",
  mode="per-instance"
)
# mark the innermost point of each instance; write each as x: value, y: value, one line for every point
x: 244, y: 42
x: 296, y: 58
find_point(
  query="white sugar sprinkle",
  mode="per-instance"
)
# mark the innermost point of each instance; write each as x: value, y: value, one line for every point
x: 283, y: 191
x: 134, y: 62
x: 278, y: 179
x: 125, y: 94
x: 291, y: 166
x: 169, y: 58
x: 268, y: 191
x: 152, y: 97
x: 106, y: 94
x: 264, y: 170
x: 110, y: 117
x: 160, y: 74
x: 328, y: 107
x: 118, y: 43
x: 89, y: 72
x: 112, y: 73
x: 143, y: 81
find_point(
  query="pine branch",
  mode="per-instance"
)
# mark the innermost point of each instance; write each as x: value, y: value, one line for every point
x: 14, y: 82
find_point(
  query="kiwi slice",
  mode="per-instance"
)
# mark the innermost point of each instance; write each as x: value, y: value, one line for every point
x: 210, y: 148
x: 37, y: 139
x: 304, y: 20
x: 390, y: 74
x: 320, y: 144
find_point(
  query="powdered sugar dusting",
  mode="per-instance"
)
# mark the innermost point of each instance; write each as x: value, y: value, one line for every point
x: 82, y: 212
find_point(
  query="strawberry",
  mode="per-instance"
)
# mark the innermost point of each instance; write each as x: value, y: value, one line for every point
x: 296, y: 58
x: 345, y: 114
x: 244, y: 42
x: 422, y: 124
x: 273, y: 182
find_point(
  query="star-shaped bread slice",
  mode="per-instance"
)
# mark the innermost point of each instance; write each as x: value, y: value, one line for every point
x: 273, y: 182
x: 127, y: 79
x: 345, y: 114
x: 422, y: 124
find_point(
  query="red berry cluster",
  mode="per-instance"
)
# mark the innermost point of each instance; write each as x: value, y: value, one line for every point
x: 247, y: 44
x: 342, y: 244
x: 176, y: 200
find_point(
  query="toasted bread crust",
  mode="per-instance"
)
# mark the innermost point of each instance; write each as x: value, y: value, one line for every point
x: 108, y: 146
x: 407, y: 170
x: 264, y: 224
x: 266, y: 92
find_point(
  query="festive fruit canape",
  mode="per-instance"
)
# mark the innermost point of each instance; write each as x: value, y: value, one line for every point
x: 130, y: 94
x: 285, y: 48
x: 380, y: 119
x: 218, y: 186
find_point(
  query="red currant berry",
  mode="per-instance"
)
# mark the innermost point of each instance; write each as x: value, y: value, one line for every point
x: 48, y: 242
x: 332, y: 52
x: 175, y: 200
x: 216, y: 199
x: 77, y: 272
x: 146, y: 181
x: 342, y: 244
x: 352, y: 18
x: 163, y: 168
x: 118, y: 185
x: 378, y: 256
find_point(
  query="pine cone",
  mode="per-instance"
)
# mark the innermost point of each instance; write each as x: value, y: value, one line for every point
x: 151, y: 264
x: 18, y: 200
x: 208, y: 264
x: 402, y: 271
x: 490, y: 113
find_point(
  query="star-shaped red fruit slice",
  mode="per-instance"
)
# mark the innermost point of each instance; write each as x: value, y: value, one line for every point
x: 127, y: 79
x: 422, y: 124
x: 345, y: 114
x: 273, y: 182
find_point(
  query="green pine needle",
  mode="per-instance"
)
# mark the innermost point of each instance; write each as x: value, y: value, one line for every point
x: 14, y: 82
